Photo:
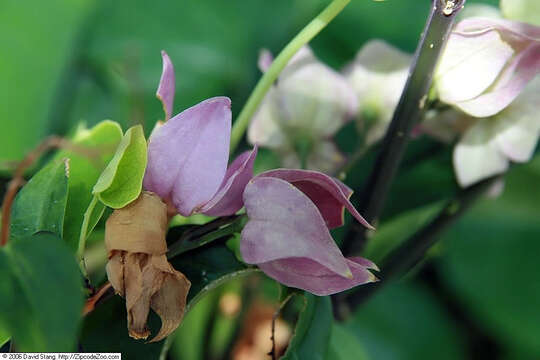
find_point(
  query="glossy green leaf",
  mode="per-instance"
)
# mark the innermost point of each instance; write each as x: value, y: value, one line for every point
x: 405, y: 322
x: 36, y: 50
x: 121, y: 181
x: 99, y: 144
x: 40, y: 294
x: 344, y: 345
x: 313, y: 330
x: 41, y: 204
x: 105, y: 329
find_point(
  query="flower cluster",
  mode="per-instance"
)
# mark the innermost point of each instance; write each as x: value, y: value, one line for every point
x: 310, y: 102
x: 290, y: 213
x: 488, y: 74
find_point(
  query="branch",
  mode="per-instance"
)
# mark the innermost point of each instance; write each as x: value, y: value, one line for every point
x: 408, y: 113
x: 413, y: 250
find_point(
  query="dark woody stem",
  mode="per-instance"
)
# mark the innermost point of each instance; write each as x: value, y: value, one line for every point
x: 408, y: 113
x: 411, y: 252
x: 205, y: 234
x: 406, y: 256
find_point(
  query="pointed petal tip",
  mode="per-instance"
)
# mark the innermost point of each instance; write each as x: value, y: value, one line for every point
x: 222, y: 100
x: 166, y: 88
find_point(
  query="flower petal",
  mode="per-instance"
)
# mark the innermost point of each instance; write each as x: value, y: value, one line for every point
x: 477, y: 154
x: 138, y: 268
x: 470, y: 64
x: 187, y: 156
x: 518, y: 127
x: 312, y: 97
x: 330, y: 195
x: 228, y: 200
x: 265, y: 129
x: 512, y: 31
x: 310, y: 276
x: 284, y: 223
x: 521, y: 70
x: 165, y: 91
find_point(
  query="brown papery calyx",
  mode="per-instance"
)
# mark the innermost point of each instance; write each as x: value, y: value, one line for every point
x: 138, y: 268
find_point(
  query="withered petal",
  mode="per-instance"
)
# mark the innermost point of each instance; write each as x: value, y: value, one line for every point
x: 138, y: 268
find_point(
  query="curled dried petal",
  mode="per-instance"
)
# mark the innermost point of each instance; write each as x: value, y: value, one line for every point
x: 138, y: 268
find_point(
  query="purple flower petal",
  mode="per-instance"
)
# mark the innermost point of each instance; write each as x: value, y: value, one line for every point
x: 309, y: 275
x: 228, y: 200
x: 284, y: 223
x: 330, y: 195
x: 165, y: 91
x: 187, y: 156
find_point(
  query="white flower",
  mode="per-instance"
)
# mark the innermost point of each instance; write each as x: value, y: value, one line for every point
x: 298, y: 117
x: 488, y: 146
x: 378, y: 76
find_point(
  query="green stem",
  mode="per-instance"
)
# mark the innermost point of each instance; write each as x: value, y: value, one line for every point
x: 408, y: 113
x: 84, y: 232
x: 264, y: 84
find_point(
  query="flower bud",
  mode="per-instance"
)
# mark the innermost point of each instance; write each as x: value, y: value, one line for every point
x: 309, y: 103
x: 378, y: 76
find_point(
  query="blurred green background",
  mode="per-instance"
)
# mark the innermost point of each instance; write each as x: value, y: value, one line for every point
x: 67, y: 61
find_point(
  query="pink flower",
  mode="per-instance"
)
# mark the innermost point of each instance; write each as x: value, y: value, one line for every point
x: 290, y: 214
x: 188, y: 155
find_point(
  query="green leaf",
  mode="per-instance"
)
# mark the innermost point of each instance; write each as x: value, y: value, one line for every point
x: 105, y: 329
x: 41, y: 204
x: 391, y: 233
x: 208, y: 267
x: 4, y: 336
x: 102, y: 141
x: 492, y: 261
x: 31, y: 73
x: 41, y: 287
x: 121, y: 181
x: 313, y: 329
x: 192, y: 335
x: 344, y: 345
x: 403, y: 321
